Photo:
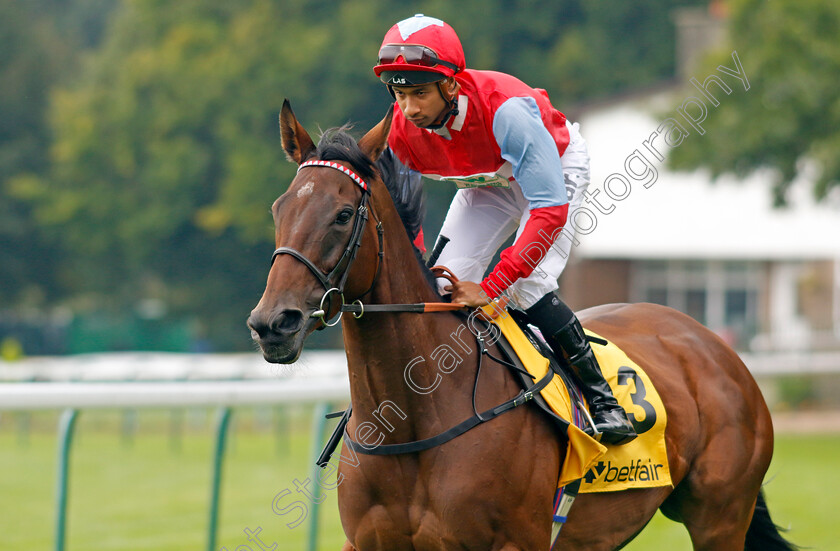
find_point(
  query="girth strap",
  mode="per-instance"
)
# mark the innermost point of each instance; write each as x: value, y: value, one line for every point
x: 523, y: 397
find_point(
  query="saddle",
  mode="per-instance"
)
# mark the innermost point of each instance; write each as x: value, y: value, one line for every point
x: 588, y: 465
x: 582, y: 450
x: 642, y: 463
x: 546, y: 382
x: 557, y: 365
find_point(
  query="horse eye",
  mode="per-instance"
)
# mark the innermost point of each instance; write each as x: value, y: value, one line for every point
x: 344, y: 216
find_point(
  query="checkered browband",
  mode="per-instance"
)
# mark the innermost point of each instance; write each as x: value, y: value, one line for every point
x: 332, y: 164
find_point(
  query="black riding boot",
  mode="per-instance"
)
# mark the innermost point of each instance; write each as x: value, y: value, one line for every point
x: 565, y: 335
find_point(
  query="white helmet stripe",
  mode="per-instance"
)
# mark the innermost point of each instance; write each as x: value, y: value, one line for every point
x: 419, y: 22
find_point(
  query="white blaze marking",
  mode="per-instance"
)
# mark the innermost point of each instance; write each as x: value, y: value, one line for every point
x: 306, y: 189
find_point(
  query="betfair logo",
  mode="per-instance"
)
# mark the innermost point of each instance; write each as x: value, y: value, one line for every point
x: 637, y: 470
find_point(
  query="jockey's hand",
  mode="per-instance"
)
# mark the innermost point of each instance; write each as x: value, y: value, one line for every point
x: 468, y: 292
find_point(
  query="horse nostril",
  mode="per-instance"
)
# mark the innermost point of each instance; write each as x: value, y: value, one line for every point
x: 288, y: 321
x: 258, y: 327
x: 283, y: 324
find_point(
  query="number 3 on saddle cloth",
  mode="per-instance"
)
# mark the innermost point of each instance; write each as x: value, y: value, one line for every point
x: 641, y: 463
x: 589, y: 466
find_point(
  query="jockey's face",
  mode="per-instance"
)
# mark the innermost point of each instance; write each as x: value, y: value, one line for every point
x: 422, y: 105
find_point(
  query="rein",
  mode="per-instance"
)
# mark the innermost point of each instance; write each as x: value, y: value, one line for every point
x: 523, y: 397
x: 333, y: 282
x: 358, y: 309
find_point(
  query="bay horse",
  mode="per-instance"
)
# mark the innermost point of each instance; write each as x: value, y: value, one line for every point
x: 491, y: 488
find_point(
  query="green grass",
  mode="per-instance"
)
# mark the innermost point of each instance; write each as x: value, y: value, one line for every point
x: 145, y: 493
x: 802, y: 488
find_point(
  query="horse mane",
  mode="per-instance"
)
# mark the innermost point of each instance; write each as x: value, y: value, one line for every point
x: 336, y: 144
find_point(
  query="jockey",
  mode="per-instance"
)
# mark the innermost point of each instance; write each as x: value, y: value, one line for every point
x: 520, y: 166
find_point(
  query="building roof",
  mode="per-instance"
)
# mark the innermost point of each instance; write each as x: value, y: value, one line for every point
x: 686, y: 214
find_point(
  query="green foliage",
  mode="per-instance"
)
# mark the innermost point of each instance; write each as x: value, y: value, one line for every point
x: 790, y: 117
x: 577, y: 50
x: 41, y: 41
x: 30, y: 63
x: 166, y: 155
x: 611, y: 47
x: 158, y: 160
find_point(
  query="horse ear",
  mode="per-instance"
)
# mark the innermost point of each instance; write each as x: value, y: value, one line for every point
x: 373, y: 143
x: 295, y: 139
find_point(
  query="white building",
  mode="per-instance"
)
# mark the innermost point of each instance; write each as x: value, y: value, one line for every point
x: 761, y: 277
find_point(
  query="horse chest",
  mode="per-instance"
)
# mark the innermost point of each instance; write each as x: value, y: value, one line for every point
x: 419, y: 528
x: 398, y: 505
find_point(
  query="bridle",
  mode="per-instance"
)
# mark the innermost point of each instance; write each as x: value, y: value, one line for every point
x: 333, y: 282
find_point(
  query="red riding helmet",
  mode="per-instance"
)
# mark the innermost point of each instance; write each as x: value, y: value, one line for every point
x: 419, y: 50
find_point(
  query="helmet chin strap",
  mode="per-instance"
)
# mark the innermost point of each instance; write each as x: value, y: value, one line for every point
x: 452, y: 103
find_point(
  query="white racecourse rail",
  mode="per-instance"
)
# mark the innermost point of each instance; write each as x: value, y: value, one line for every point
x: 132, y: 380
x: 125, y: 381
x: 165, y: 380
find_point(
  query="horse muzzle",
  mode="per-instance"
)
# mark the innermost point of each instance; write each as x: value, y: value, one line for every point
x: 280, y: 332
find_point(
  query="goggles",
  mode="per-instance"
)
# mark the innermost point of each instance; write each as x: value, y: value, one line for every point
x: 412, y: 54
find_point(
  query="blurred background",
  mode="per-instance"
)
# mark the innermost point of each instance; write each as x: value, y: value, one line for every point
x: 140, y: 153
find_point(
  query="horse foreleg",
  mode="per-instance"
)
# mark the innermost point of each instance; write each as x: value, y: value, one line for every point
x: 347, y: 547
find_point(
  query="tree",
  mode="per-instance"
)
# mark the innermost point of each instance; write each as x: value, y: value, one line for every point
x: 165, y: 153
x: 42, y: 42
x: 40, y: 49
x: 30, y: 61
x: 790, y: 117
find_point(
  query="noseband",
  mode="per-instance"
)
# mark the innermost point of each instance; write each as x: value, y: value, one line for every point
x: 333, y: 282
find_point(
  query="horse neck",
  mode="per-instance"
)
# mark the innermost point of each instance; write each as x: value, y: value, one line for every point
x: 402, y: 279
x: 380, y: 346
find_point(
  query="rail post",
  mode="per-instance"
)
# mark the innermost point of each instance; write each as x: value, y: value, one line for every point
x: 66, y: 425
x: 319, y: 422
x: 218, y: 460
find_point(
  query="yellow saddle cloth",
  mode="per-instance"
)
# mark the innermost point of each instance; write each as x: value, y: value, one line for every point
x: 642, y: 463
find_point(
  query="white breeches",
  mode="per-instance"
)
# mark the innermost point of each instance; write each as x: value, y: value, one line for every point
x: 480, y: 220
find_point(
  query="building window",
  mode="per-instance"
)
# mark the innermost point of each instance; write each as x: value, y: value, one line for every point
x: 722, y: 295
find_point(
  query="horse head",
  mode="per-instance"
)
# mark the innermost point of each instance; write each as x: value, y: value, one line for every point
x: 325, y: 250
